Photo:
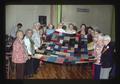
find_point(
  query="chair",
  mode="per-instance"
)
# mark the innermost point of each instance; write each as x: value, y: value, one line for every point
x: 8, y: 65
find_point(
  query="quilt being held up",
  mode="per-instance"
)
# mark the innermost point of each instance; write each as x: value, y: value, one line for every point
x: 68, y: 48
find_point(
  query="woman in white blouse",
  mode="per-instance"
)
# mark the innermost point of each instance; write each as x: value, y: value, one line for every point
x: 36, y: 36
x: 29, y: 66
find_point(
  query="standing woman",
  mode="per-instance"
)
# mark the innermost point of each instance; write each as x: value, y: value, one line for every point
x: 90, y: 35
x: 36, y: 37
x: 97, y: 53
x: 83, y: 42
x: 19, y: 55
x: 106, y: 57
x: 30, y: 50
x: 60, y: 28
x: 49, y: 31
x: 70, y: 29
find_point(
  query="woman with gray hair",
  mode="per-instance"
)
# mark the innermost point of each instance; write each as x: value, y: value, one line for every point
x: 29, y: 69
x: 36, y: 37
x: 19, y: 55
x: 106, y: 57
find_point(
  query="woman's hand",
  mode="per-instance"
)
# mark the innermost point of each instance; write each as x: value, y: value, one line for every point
x: 29, y: 57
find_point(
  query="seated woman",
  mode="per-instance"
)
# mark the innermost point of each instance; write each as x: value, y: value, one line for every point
x: 19, y: 54
x: 49, y: 31
x: 31, y: 51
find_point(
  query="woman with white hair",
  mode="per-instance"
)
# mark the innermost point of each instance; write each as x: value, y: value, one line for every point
x: 106, y: 57
x: 97, y: 53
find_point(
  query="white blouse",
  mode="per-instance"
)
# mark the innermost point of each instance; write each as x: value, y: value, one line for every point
x: 36, y: 38
x: 28, y: 45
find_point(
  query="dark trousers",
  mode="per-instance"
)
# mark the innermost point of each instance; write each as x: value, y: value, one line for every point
x: 112, y: 72
x: 97, y: 71
x: 20, y: 70
x: 36, y: 64
x: 29, y: 67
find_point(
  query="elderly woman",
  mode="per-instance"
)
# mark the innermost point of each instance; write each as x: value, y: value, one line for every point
x: 106, y: 57
x: 19, y: 55
x: 36, y: 37
x: 31, y: 51
x: 97, y: 53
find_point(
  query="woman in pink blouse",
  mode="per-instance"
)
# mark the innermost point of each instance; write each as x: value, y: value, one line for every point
x: 19, y: 55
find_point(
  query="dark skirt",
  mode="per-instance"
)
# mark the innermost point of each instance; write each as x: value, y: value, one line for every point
x: 29, y: 67
x: 36, y: 64
x: 20, y: 70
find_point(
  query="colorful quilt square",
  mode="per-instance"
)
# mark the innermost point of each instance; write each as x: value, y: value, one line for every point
x: 51, y: 59
x: 67, y: 38
x: 61, y: 41
x: 71, y: 53
x: 60, y: 60
x: 56, y: 46
x: 65, y: 50
x: 77, y: 58
x: 71, y: 58
x: 76, y: 46
x: 84, y: 56
x: 55, y: 36
x: 48, y: 48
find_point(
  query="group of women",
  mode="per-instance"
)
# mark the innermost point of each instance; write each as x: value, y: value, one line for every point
x: 24, y: 48
x: 27, y: 44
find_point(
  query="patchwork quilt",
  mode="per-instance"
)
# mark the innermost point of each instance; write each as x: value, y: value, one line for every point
x: 68, y: 48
